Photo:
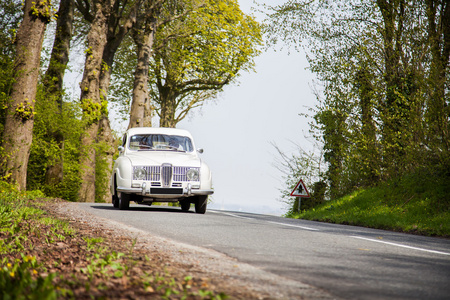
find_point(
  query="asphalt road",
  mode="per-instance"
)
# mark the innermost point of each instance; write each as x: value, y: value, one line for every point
x: 346, y: 261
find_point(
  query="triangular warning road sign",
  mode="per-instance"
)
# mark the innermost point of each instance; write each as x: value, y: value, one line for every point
x: 300, y: 190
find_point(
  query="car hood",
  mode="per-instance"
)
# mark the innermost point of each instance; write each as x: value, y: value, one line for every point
x: 156, y: 158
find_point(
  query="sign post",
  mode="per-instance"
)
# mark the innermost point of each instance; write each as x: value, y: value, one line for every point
x: 299, y: 192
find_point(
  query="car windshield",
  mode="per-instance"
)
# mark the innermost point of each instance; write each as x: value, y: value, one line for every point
x: 160, y: 142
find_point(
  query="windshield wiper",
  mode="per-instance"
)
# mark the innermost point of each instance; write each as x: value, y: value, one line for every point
x: 145, y: 146
x: 175, y: 148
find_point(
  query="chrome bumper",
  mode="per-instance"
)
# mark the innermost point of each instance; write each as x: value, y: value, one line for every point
x: 144, y: 191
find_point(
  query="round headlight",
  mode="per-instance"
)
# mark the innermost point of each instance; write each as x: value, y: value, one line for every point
x: 139, y: 173
x: 192, y: 175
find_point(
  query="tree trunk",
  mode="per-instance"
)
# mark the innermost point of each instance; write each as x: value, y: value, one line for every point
x: 105, y: 137
x: 143, y: 36
x: 168, y: 107
x: 116, y: 32
x: 53, y: 79
x: 92, y: 104
x: 87, y: 164
x: 17, y: 134
x: 140, y: 107
x: 115, y: 35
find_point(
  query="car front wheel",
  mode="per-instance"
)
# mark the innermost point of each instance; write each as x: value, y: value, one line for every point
x: 200, y: 204
x: 115, y: 198
x: 115, y: 201
x: 124, y: 201
x: 185, y: 205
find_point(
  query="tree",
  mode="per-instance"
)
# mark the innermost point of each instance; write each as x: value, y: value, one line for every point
x: 106, y: 35
x: 212, y: 46
x: 53, y: 81
x: 120, y: 22
x: 438, y: 113
x: 381, y: 66
x: 368, y: 148
x: 155, y: 14
x: 335, y: 41
x: 17, y: 134
x: 143, y: 36
x: 92, y: 102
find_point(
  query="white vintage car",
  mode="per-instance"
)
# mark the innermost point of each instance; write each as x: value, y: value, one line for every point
x: 160, y: 165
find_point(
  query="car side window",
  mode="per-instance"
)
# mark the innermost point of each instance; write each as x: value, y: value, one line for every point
x: 124, y: 140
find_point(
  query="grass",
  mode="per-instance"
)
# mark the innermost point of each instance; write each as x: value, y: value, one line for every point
x: 43, y: 257
x: 417, y: 203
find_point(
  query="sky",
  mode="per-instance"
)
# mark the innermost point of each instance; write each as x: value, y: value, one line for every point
x: 237, y: 129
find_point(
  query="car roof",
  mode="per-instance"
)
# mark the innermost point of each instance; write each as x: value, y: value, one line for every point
x: 158, y: 130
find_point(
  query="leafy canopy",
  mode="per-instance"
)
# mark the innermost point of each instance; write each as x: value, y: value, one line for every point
x: 203, y: 51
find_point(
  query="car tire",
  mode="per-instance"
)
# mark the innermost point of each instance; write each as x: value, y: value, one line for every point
x: 124, y: 201
x: 115, y: 198
x: 185, y: 205
x: 200, y: 204
x: 115, y: 201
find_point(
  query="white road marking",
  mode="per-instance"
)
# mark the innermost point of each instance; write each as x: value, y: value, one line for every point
x: 232, y: 215
x: 296, y: 226
x: 401, y: 245
x: 278, y: 223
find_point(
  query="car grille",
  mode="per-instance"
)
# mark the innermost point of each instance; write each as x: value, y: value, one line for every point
x: 153, y: 173
x: 165, y: 174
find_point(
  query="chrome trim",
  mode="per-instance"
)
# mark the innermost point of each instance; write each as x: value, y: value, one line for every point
x: 156, y: 173
x: 153, y: 173
x: 202, y: 192
x: 185, y: 191
x: 144, y: 190
x: 129, y: 190
x: 189, y: 189
x: 166, y: 175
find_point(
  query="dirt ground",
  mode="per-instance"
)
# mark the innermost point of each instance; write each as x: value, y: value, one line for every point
x: 157, y: 268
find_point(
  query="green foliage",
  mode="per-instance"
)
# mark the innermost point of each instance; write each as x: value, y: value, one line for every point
x: 24, y: 111
x: 56, y: 144
x: 121, y: 90
x: 418, y: 202
x: 93, y: 111
x: 213, y: 44
x: 377, y: 116
x: 169, y: 288
x: 21, y: 278
x: 195, y: 55
x: 43, y: 10
x: 28, y: 278
x: 18, y: 281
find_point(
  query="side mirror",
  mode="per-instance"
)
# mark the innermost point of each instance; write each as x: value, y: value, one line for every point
x: 200, y: 150
x: 120, y: 148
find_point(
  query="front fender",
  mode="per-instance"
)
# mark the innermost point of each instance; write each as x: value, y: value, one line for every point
x: 123, y: 172
x: 205, y: 177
